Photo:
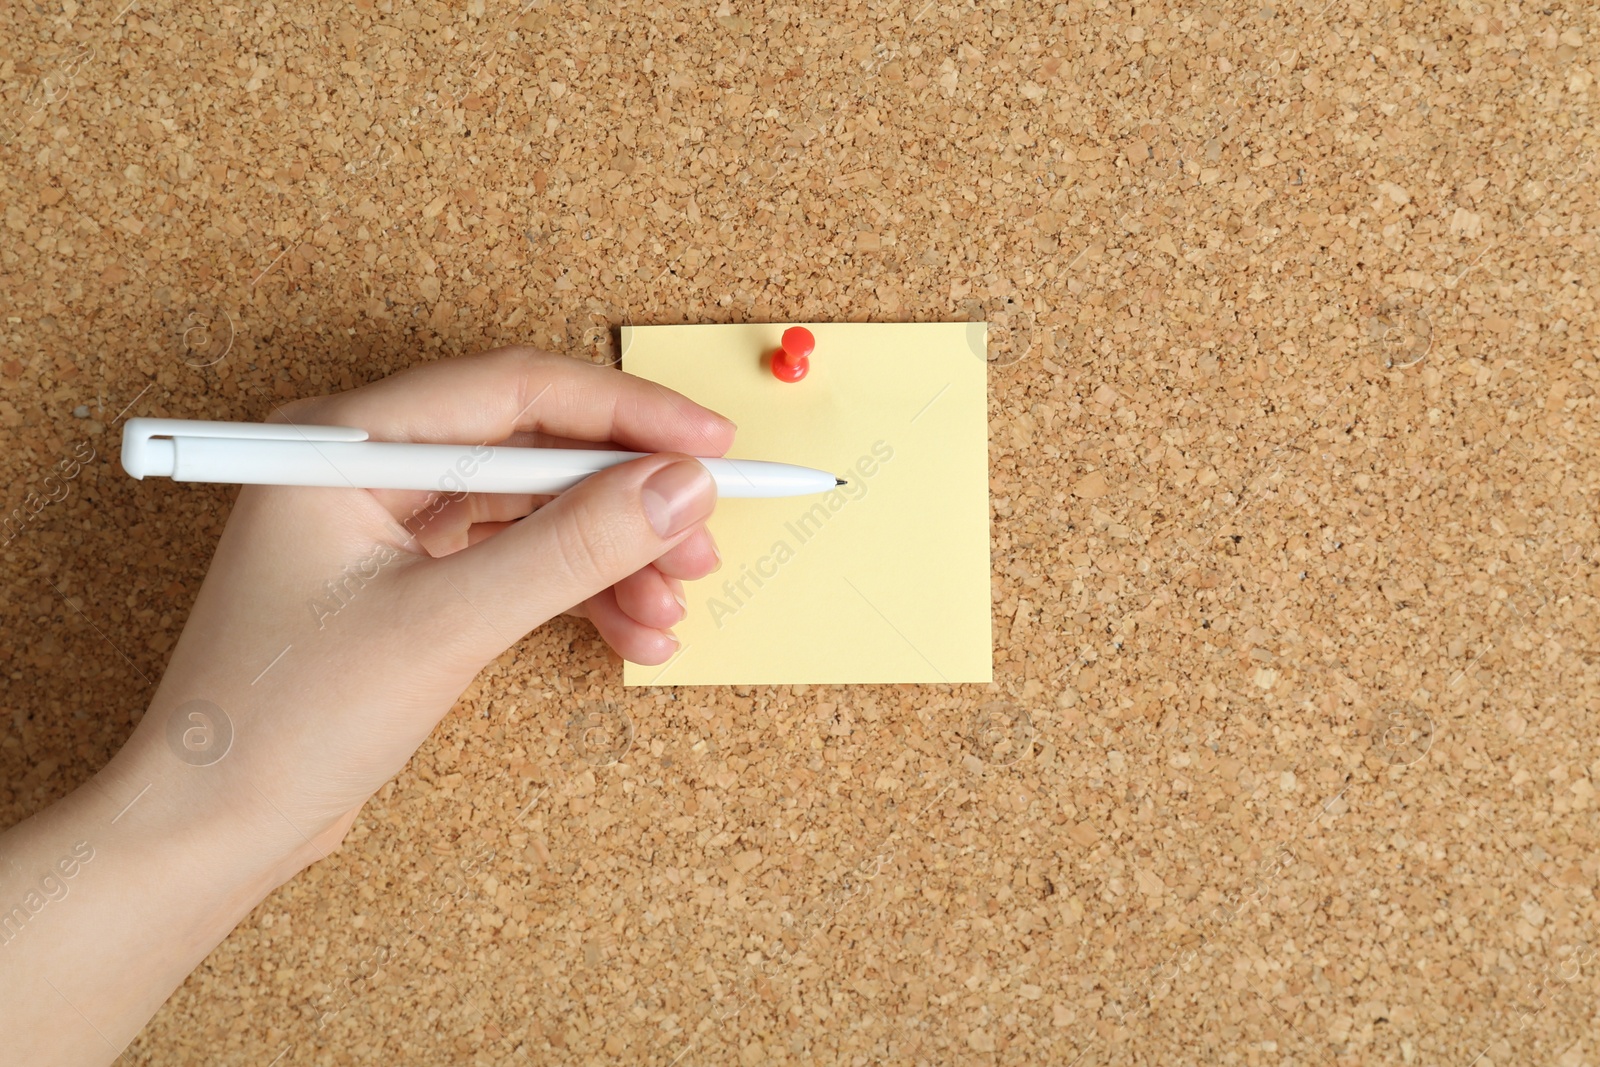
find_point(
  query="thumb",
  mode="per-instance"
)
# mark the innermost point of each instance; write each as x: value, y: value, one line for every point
x: 585, y: 540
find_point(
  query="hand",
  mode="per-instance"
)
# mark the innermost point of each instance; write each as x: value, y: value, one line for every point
x: 336, y: 627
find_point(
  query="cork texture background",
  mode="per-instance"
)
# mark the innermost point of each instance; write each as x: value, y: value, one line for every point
x: 1291, y: 753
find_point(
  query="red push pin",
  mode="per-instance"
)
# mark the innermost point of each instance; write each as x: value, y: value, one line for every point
x: 791, y: 363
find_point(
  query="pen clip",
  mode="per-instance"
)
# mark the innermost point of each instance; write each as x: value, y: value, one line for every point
x: 138, y: 461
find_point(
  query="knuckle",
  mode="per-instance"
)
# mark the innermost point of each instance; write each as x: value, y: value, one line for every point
x: 589, y: 542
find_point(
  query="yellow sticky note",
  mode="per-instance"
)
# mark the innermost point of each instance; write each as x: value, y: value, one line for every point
x: 885, y: 579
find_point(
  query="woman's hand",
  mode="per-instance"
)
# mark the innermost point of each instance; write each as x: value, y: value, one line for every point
x: 336, y: 627
x: 326, y: 642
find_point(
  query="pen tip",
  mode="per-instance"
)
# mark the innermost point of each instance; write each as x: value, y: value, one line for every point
x: 839, y: 481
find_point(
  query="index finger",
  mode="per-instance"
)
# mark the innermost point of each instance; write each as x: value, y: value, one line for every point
x: 487, y: 397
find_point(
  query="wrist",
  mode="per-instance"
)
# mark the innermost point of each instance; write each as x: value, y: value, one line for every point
x: 127, y: 875
x: 198, y: 817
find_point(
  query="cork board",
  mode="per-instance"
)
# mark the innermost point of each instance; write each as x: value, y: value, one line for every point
x: 1290, y: 750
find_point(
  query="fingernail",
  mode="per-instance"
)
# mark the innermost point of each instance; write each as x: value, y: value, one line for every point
x: 678, y: 496
x: 717, y: 552
x: 682, y: 603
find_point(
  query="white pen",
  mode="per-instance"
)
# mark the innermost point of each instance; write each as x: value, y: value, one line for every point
x: 249, y: 453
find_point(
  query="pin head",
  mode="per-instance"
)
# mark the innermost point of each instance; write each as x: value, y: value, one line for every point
x: 791, y: 363
x: 797, y: 341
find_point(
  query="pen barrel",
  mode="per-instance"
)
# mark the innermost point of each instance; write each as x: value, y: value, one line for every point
x: 450, y: 468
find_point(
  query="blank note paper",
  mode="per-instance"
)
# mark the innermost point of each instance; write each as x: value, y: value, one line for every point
x: 885, y: 579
